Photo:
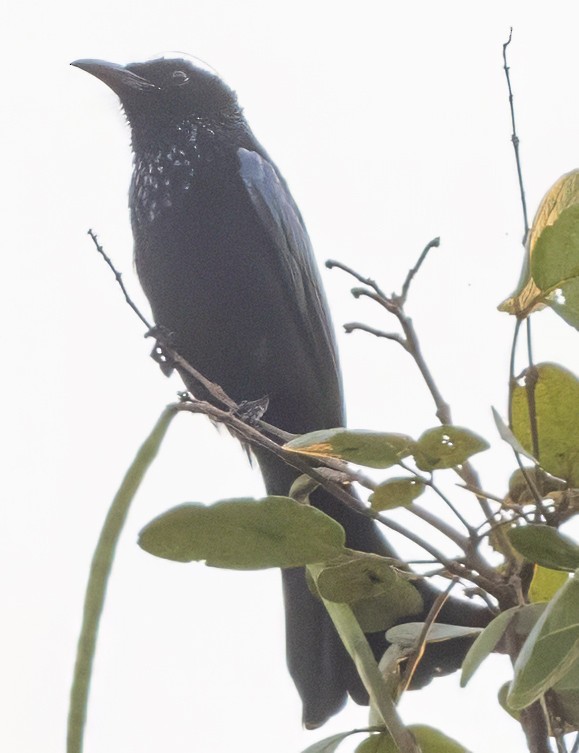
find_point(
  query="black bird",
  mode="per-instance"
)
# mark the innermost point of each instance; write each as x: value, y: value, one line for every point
x: 223, y: 255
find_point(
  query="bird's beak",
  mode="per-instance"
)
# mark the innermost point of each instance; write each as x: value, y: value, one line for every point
x: 117, y: 77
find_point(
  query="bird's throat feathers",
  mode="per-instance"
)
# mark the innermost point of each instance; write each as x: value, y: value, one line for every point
x: 164, y: 169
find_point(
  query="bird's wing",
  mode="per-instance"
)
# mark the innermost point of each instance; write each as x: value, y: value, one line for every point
x: 282, y: 221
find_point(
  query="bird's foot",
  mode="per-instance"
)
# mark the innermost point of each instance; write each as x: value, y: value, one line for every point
x: 251, y: 411
x: 163, y: 338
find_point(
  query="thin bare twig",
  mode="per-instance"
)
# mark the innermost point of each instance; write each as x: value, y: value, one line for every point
x: 512, y: 377
x: 358, y: 326
x: 431, y: 485
x: 118, y: 278
x: 421, y: 643
x: 254, y: 436
x: 512, y: 385
x: 531, y: 379
x: 395, y: 305
x: 492, y: 585
x: 529, y: 481
x: 174, y: 357
x: 515, y: 138
x: 332, y: 263
x: 480, y: 493
x: 434, y: 243
x: 440, y: 525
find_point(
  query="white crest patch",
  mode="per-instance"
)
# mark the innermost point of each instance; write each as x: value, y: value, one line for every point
x: 195, y: 62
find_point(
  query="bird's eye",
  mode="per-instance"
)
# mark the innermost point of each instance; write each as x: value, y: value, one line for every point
x: 180, y: 77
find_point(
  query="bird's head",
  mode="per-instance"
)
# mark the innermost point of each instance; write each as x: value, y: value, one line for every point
x: 166, y: 91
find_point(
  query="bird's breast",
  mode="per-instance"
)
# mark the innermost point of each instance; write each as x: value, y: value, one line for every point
x: 162, y: 179
x: 209, y: 271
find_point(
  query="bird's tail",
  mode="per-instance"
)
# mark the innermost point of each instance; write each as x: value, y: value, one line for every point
x: 322, y: 670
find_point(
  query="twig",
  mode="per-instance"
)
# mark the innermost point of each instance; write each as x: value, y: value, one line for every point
x: 251, y: 435
x: 118, y: 278
x: 170, y: 353
x: 431, y: 485
x: 515, y: 138
x: 532, y: 413
x: 480, y: 493
x: 395, y: 305
x: 442, y: 407
x: 440, y: 525
x: 434, y: 243
x: 331, y: 263
x: 529, y: 481
x: 254, y: 436
x: 512, y: 377
x: 421, y: 643
x: 467, y: 545
x: 531, y: 383
x: 493, y: 586
x: 358, y: 326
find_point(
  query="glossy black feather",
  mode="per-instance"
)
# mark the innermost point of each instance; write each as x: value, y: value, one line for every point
x: 225, y: 260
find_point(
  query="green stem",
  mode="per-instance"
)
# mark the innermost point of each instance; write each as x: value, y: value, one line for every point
x: 354, y: 640
x: 100, y: 570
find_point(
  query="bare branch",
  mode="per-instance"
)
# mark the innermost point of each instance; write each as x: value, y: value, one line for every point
x: 440, y: 525
x: 251, y: 433
x: 434, y: 243
x: 480, y: 493
x: 173, y: 356
x: 358, y: 326
x: 332, y: 263
x: 421, y: 643
x: 118, y: 278
x: 515, y: 138
x: 395, y: 305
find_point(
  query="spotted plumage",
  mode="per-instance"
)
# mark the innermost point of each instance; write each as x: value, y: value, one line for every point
x: 223, y: 255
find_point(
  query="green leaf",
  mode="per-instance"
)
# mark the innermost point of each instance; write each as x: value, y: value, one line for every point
x: 565, y: 301
x: 377, y: 593
x: 408, y: 634
x: 396, y: 492
x: 556, y: 256
x: 329, y: 744
x: 356, y: 578
x: 485, y: 644
x: 378, y: 613
x: 526, y: 618
x: 369, y: 448
x: 567, y: 698
x: 546, y: 583
x: 507, y: 435
x: 502, y: 699
x: 555, y: 265
x: 545, y: 546
x: 529, y: 296
x: 446, y: 447
x: 430, y: 740
x: 245, y: 534
x: 377, y: 743
x: 550, y: 650
x: 557, y: 412
x: 302, y: 487
x: 521, y: 494
x: 521, y: 620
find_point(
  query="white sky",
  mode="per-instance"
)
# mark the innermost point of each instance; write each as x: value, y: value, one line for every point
x: 390, y: 122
